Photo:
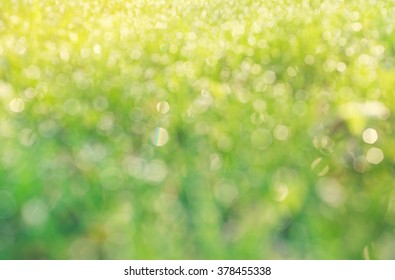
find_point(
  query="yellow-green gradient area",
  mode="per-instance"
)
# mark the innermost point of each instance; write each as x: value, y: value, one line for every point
x: 197, y: 129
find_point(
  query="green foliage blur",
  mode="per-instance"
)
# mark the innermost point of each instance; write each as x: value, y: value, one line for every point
x: 197, y: 129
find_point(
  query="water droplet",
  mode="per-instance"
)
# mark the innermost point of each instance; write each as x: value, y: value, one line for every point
x: 370, y: 136
x: 269, y: 77
x: 292, y: 71
x: 64, y: 54
x: 106, y: 122
x: 134, y: 166
x: 375, y: 155
x: 17, y: 105
x: 97, y: 49
x: 33, y: 72
x: 356, y: 26
x: 226, y: 192
x: 156, y: 171
x: 341, y: 67
x: 259, y: 105
x: 160, y: 137
x: 243, y: 95
x: 35, y: 212
x: 299, y: 108
x: 257, y: 118
x: 309, y: 59
x: 163, y: 107
x: 135, y: 54
x: 319, y: 166
x: 281, y: 132
x: 100, y: 103
x: 72, y: 106
x: 215, y: 162
x: 324, y: 171
x: 281, y: 192
x: 331, y: 192
x: 6, y: 90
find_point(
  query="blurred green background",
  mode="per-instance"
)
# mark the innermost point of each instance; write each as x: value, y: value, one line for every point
x: 192, y: 129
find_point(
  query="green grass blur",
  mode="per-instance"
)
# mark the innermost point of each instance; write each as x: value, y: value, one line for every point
x: 197, y: 129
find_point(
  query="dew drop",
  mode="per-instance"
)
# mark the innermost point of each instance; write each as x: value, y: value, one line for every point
x: 370, y: 136
x: 163, y: 107
x: 281, y: 132
x: 161, y: 136
x: 375, y: 155
x: 17, y: 105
